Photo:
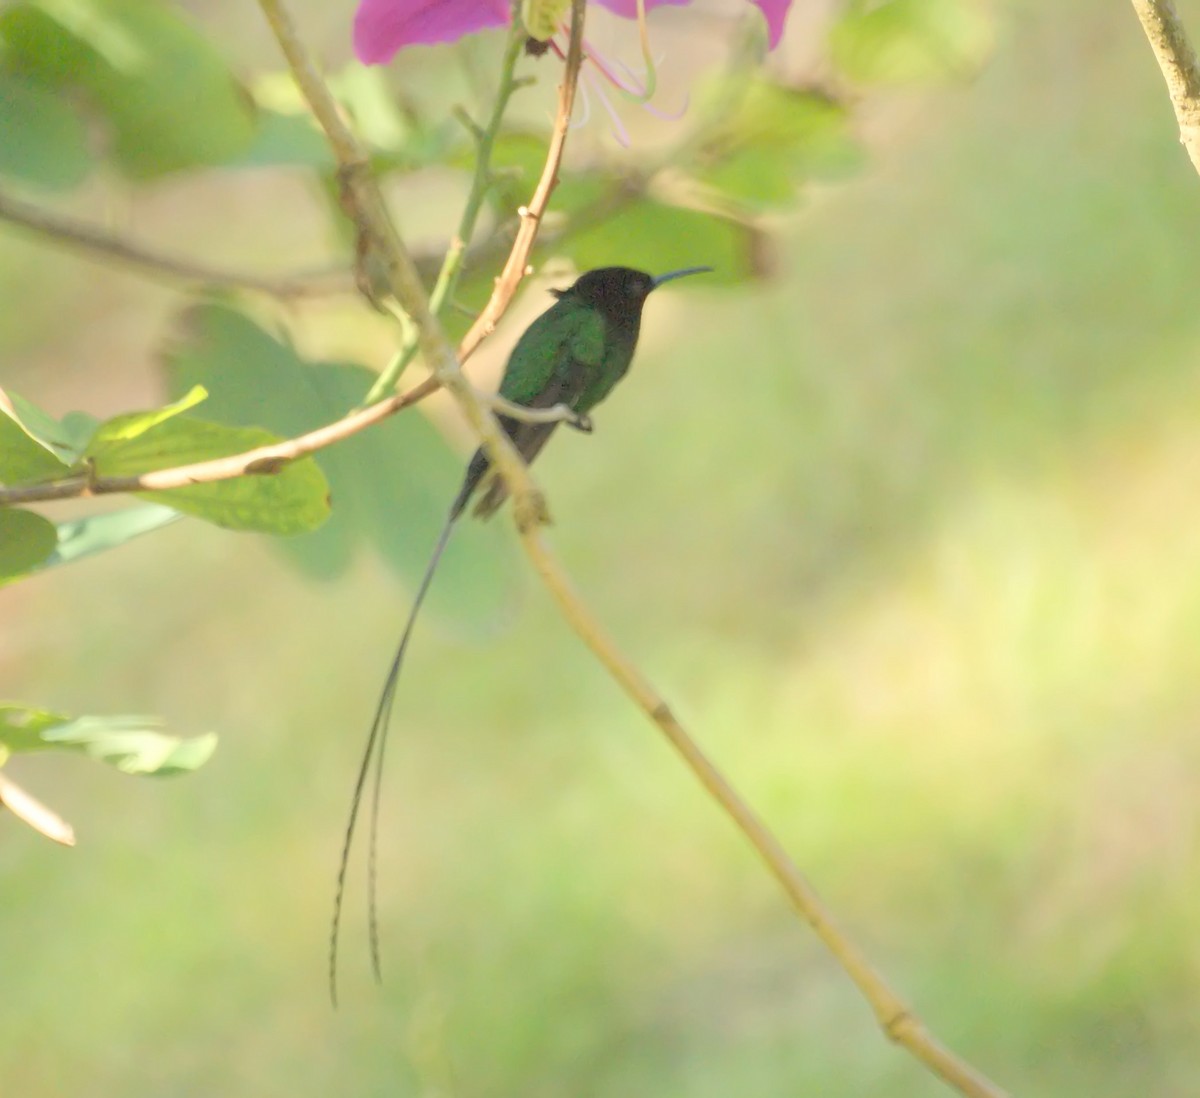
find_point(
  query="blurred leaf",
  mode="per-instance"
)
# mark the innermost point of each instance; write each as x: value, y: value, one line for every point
x: 391, y: 484
x: 167, y: 94
x: 129, y: 426
x: 290, y: 501
x: 42, y: 140
x: 475, y: 286
x: 402, y: 477
x: 29, y: 542
x: 517, y: 161
x: 84, y: 537
x: 133, y: 744
x: 286, y: 140
x: 903, y: 41
x: 237, y: 362
x: 25, y: 456
x: 364, y: 91
x: 41, y: 425
x: 26, y: 540
x: 76, y: 430
x: 767, y: 139
x: 656, y: 238
x: 397, y: 137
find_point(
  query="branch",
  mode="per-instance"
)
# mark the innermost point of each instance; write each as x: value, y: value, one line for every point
x: 517, y: 265
x: 83, y: 237
x: 378, y: 239
x: 30, y: 810
x: 1177, y: 60
x: 897, y: 1020
x: 481, y: 181
x: 262, y: 461
x: 531, y: 216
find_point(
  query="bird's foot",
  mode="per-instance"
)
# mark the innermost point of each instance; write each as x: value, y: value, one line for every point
x: 582, y: 423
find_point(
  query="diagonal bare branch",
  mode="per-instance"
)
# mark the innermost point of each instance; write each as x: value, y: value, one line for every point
x: 30, y: 810
x: 261, y: 461
x: 89, y: 239
x: 1177, y: 59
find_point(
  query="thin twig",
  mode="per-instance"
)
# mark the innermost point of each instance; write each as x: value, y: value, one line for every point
x: 262, y: 461
x: 517, y: 265
x: 896, y: 1019
x: 531, y: 215
x: 30, y: 810
x: 1177, y: 60
x: 378, y: 238
x: 485, y: 140
x: 83, y: 237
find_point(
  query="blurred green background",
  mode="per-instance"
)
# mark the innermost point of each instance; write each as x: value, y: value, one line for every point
x: 909, y: 536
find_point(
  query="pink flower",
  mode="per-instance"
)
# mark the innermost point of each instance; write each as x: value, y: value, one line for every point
x: 382, y: 27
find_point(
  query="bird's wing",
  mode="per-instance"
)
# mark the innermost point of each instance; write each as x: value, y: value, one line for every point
x: 576, y: 335
x: 569, y: 376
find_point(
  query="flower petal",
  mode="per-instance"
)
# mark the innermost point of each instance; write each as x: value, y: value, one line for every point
x: 776, y: 15
x: 381, y: 27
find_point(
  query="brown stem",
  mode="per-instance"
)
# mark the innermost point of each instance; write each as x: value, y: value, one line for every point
x: 1177, y: 60
x: 257, y: 462
x: 30, y: 810
x: 895, y: 1018
x: 80, y: 236
x: 516, y: 267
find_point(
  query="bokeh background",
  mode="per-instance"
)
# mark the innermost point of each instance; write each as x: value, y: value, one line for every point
x: 908, y: 533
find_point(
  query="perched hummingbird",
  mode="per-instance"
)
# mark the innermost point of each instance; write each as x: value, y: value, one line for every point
x: 573, y: 354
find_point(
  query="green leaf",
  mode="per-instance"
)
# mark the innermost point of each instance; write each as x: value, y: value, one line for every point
x: 911, y: 41
x: 41, y: 425
x: 84, y: 537
x: 43, y: 140
x: 366, y: 94
x: 26, y: 540
x: 517, y: 160
x: 25, y: 458
x: 656, y: 238
x: 237, y: 363
x: 397, y: 138
x: 391, y: 484
x: 401, y: 477
x: 133, y: 744
x: 766, y: 139
x: 76, y: 431
x: 129, y: 426
x: 286, y: 140
x: 290, y: 501
x: 166, y: 93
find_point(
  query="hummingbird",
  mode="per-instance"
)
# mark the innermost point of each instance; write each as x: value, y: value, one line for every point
x: 572, y: 355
